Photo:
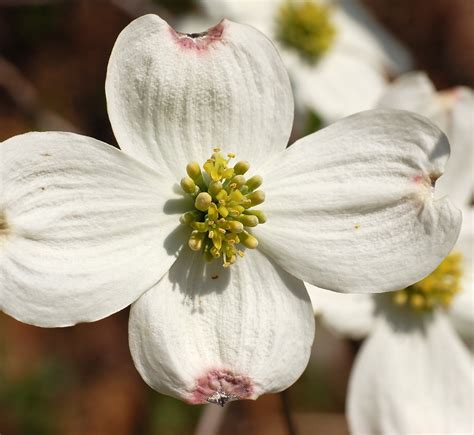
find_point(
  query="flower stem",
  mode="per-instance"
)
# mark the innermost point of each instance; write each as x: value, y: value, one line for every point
x: 290, y: 424
x: 211, y: 420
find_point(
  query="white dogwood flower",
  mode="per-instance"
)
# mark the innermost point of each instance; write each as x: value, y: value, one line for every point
x: 338, y: 57
x: 221, y: 310
x: 413, y: 374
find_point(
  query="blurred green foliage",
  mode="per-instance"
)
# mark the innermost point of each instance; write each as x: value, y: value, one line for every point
x: 29, y: 401
x: 168, y: 416
x: 313, y: 391
x: 312, y: 123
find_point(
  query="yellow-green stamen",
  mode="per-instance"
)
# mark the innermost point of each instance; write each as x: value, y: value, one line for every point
x: 306, y: 27
x: 436, y: 290
x: 222, y: 214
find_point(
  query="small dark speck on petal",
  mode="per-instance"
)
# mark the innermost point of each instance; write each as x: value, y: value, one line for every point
x: 215, y: 276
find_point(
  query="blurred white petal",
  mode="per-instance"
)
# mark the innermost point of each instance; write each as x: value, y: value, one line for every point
x: 460, y: 131
x: 411, y: 377
x: 412, y: 91
x: 462, y: 308
x: 365, y: 36
x: 350, y: 76
x: 259, y: 14
x: 348, y: 315
x: 333, y: 88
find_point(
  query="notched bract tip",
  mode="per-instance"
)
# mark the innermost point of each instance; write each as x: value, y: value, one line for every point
x: 3, y: 225
x: 222, y: 386
x: 221, y: 398
x: 433, y: 177
x: 199, y: 40
x: 427, y: 182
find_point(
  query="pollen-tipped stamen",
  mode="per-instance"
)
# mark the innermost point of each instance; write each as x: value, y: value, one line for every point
x: 223, y: 201
x: 203, y: 201
x: 437, y: 290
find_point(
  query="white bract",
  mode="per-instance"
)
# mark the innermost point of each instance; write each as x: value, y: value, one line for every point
x: 87, y: 229
x: 413, y: 374
x: 338, y: 57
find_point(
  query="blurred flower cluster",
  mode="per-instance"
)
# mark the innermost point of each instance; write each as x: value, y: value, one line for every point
x: 280, y: 161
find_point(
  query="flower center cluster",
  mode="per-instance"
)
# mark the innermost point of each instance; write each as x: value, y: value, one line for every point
x: 436, y: 290
x: 222, y: 215
x: 305, y: 27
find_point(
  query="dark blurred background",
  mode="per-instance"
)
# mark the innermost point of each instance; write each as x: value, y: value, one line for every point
x: 81, y: 380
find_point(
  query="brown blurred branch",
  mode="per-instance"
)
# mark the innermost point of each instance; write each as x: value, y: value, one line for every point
x: 285, y: 404
x: 26, y: 98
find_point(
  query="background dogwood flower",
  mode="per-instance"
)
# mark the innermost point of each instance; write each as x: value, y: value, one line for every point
x: 413, y: 374
x: 338, y: 56
x: 88, y: 229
